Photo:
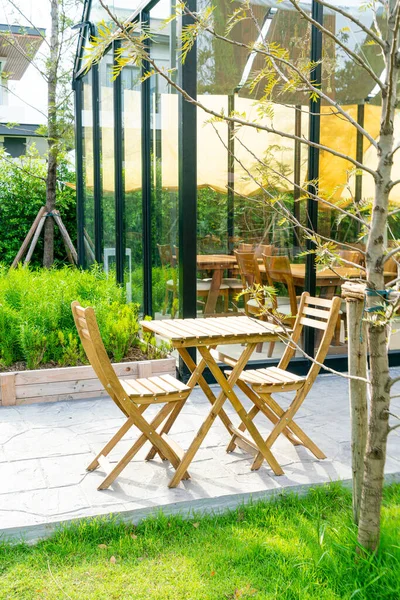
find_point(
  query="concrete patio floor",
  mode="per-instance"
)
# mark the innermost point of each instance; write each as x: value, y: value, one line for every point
x: 44, y: 449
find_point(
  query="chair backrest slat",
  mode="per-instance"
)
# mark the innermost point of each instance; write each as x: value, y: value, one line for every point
x: 89, y: 333
x: 267, y: 249
x: 243, y: 247
x: 317, y: 318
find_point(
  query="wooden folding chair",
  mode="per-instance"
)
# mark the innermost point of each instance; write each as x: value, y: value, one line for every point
x: 259, y: 384
x: 132, y: 397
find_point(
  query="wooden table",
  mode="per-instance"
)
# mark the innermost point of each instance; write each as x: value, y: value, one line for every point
x: 328, y: 279
x: 206, y: 334
x: 217, y: 263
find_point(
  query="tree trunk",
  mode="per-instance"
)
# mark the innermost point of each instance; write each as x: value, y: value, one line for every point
x: 378, y: 426
x: 51, y: 183
x: 357, y: 353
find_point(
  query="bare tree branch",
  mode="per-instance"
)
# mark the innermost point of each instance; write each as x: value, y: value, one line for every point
x: 356, y: 21
x: 333, y: 37
x: 17, y: 8
x: 290, y: 65
x: 233, y: 119
x: 5, y: 87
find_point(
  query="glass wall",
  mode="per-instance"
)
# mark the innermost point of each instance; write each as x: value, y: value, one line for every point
x: 259, y: 195
x: 132, y: 178
x: 164, y: 166
x: 88, y: 173
x: 106, y: 120
x: 250, y: 180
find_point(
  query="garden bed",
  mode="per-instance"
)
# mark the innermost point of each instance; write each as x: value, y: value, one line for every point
x: 71, y: 383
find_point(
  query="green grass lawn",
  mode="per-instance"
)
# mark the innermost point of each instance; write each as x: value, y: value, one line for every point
x: 289, y: 548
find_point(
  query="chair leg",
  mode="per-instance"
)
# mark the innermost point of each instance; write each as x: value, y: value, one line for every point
x: 260, y: 405
x: 166, y: 428
x: 292, y: 426
x: 166, y: 299
x: 110, y: 445
x: 149, y: 432
x: 251, y: 414
x: 284, y: 421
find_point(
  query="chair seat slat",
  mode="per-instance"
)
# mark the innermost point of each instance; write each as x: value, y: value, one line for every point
x: 134, y: 388
x: 149, y: 384
x: 175, y: 382
x: 164, y: 385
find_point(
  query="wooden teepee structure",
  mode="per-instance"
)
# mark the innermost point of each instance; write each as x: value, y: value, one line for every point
x: 34, y: 234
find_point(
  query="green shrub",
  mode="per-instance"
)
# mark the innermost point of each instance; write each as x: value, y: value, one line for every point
x: 36, y: 323
x: 22, y: 193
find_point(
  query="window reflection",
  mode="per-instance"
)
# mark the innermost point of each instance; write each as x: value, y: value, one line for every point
x: 88, y: 181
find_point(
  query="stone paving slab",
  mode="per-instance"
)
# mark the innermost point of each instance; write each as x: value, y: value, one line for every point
x: 45, y: 448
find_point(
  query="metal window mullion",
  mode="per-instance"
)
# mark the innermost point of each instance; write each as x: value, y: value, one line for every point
x: 80, y: 213
x: 118, y: 175
x: 98, y: 212
x: 313, y: 164
x: 187, y: 153
x: 146, y: 184
x: 231, y: 175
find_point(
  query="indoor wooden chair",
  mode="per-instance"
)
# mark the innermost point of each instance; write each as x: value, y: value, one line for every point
x: 267, y: 249
x: 243, y: 247
x: 132, y: 397
x: 277, y: 270
x: 351, y: 255
x: 250, y: 274
x: 259, y: 384
x: 168, y: 260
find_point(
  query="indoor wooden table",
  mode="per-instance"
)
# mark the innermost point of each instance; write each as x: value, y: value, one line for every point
x: 217, y: 263
x: 327, y: 279
x: 206, y: 334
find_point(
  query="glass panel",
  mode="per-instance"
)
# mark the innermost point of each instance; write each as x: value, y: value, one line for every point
x: 341, y: 187
x: 132, y: 171
x: 164, y: 166
x: 106, y: 113
x: 87, y: 160
x: 246, y: 191
x: 122, y: 9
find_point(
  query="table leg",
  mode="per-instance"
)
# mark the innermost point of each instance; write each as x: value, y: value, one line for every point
x: 260, y: 444
x: 191, y: 365
x: 214, y: 292
x: 226, y: 392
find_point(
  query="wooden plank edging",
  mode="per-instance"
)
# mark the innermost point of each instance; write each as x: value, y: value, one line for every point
x: 70, y: 383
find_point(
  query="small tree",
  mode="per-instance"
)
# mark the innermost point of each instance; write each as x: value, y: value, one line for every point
x: 280, y: 75
x: 54, y: 66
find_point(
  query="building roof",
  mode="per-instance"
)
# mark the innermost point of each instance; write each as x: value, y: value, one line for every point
x: 18, y: 46
x: 20, y: 130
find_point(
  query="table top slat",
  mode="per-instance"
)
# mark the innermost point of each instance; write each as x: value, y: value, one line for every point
x: 213, y: 331
x: 181, y: 327
x: 205, y: 326
x: 160, y: 327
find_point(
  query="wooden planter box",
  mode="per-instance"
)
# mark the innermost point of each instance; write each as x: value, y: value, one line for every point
x: 71, y: 383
